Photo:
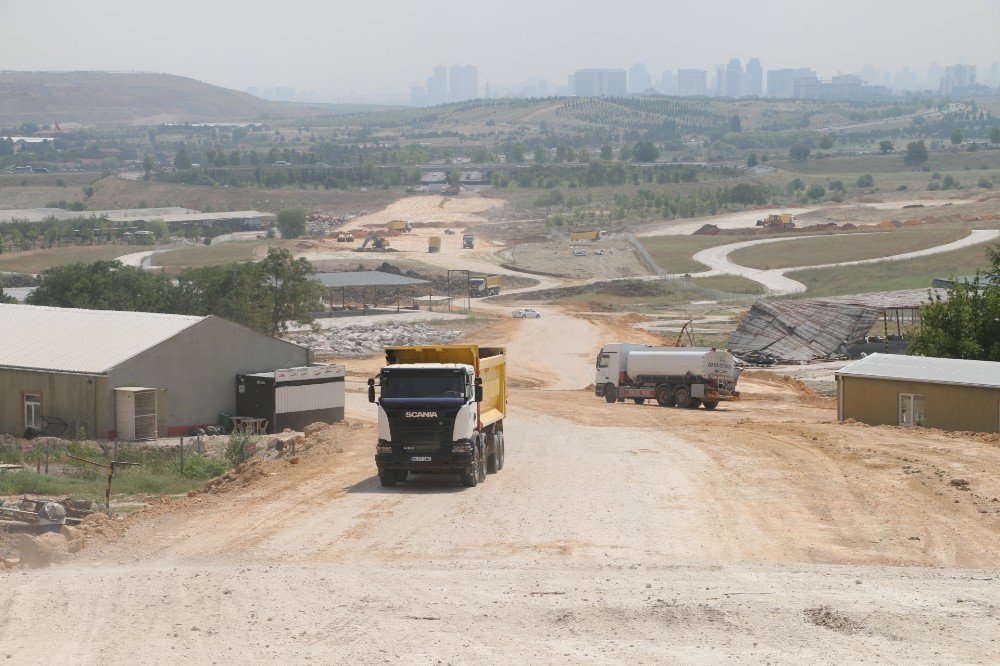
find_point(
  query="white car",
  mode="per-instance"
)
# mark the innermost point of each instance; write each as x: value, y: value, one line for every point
x: 525, y: 313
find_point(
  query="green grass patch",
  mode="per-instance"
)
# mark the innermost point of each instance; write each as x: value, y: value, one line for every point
x: 673, y: 253
x: 196, y: 256
x: 892, y: 275
x: 36, y: 261
x: 837, y: 248
x: 732, y: 284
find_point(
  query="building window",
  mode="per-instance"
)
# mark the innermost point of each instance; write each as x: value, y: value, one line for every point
x: 911, y: 410
x: 32, y: 411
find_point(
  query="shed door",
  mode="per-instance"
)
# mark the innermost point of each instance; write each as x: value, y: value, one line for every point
x: 145, y: 415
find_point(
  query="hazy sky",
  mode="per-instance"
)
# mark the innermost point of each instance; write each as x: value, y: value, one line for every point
x: 341, y: 48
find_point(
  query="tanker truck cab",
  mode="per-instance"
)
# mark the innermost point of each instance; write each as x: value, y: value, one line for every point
x: 673, y: 376
x: 439, y: 417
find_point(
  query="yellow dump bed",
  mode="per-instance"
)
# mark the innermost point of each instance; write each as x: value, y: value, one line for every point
x: 490, y: 364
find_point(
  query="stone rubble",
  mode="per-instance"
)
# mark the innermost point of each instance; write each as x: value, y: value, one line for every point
x: 361, y: 340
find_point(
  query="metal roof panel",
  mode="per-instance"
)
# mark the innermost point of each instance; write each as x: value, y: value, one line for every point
x: 926, y: 369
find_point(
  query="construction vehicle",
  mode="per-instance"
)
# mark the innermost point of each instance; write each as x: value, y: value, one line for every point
x: 440, y: 410
x: 780, y: 221
x: 484, y: 285
x: 402, y: 226
x: 345, y: 238
x: 449, y: 232
x: 434, y: 244
x: 378, y: 243
x: 673, y: 376
x: 468, y: 242
x: 591, y: 235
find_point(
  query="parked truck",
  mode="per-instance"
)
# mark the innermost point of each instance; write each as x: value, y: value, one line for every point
x: 591, y: 235
x: 673, y: 376
x: 440, y: 410
x: 484, y: 285
x: 401, y: 226
x: 434, y: 244
x: 468, y: 241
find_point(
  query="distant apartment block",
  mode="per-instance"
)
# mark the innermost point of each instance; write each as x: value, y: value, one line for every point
x: 845, y: 87
x: 692, y: 82
x: 755, y: 79
x: 728, y: 79
x: 781, y: 82
x: 437, y: 86
x: 464, y: 83
x: 639, y: 80
x: 958, y: 77
x: 600, y: 82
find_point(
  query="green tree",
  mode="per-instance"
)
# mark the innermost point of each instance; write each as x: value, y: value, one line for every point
x: 294, y: 295
x: 962, y: 325
x: 104, y: 285
x: 956, y: 137
x: 625, y: 153
x: 816, y: 192
x: 181, y: 159
x: 147, y: 165
x: 292, y: 222
x: 916, y: 153
x: 995, y: 135
x: 886, y: 147
x: 607, y: 152
x: 735, y: 124
x: 867, y: 180
x: 645, y: 151
x: 799, y: 153
x: 752, y: 160
x: 826, y: 143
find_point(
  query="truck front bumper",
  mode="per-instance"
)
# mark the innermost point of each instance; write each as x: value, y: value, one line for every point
x: 451, y: 457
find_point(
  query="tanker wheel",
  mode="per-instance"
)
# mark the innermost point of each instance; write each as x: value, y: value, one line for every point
x: 695, y: 403
x: 711, y: 404
x: 610, y: 394
x: 638, y: 401
x: 387, y: 477
x: 682, y: 398
x: 493, y: 459
x: 664, y: 398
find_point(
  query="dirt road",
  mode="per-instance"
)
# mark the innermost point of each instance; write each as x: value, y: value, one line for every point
x: 616, y: 534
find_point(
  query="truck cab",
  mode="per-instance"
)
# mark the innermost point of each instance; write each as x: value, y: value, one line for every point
x: 440, y: 417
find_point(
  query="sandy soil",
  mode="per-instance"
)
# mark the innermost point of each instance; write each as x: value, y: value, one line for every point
x: 763, y: 531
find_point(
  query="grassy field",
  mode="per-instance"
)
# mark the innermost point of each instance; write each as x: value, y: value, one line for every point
x: 876, y: 164
x: 888, y: 276
x: 673, y: 253
x: 35, y: 261
x: 844, y: 247
x: 733, y: 284
x: 195, y: 256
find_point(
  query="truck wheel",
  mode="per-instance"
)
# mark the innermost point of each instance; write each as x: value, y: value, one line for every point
x: 695, y: 403
x: 664, y: 398
x: 401, y: 475
x: 638, y: 401
x: 711, y: 404
x: 682, y: 398
x: 610, y: 394
x: 387, y: 477
x: 500, y: 451
x: 493, y: 458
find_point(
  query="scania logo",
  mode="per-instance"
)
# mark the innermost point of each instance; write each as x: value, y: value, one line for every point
x: 421, y: 415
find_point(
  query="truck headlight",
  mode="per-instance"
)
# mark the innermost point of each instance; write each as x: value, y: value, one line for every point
x: 383, y: 449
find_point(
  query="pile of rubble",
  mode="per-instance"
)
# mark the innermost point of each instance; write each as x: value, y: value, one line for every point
x: 363, y: 340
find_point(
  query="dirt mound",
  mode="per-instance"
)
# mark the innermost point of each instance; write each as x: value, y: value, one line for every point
x: 38, y: 552
x: 824, y: 616
x: 805, y: 394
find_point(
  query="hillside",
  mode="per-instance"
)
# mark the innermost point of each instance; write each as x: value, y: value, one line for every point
x: 103, y: 97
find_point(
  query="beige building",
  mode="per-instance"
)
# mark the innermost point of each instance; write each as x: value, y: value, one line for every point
x: 909, y: 391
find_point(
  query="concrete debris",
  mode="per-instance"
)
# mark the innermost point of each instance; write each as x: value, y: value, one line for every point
x: 363, y: 340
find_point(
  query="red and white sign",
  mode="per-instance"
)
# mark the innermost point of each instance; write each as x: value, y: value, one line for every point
x: 312, y: 372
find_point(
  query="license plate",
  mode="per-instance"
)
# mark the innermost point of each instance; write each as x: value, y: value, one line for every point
x: 420, y: 459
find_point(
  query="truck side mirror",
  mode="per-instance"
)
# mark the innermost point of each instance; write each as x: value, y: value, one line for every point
x: 479, y: 389
x: 371, y: 390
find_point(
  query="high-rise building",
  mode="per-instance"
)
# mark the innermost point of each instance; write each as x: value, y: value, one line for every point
x: 934, y: 74
x: 464, y: 83
x: 905, y: 79
x: 781, y: 82
x: 639, y: 80
x: 418, y: 96
x: 755, y: 76
x: 600, y: 82
x: 728, y: 79
x: 870, y: 75
x: 957, y: 78
x: 692, y: 82
x: 668, y: 85
x: 437, y: 86
x: 995, y: 75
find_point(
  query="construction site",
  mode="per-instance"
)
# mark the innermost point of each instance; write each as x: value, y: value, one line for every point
x: 763, y: 528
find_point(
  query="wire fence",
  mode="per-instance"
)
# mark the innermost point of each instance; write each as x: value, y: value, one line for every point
x: 686, y: 283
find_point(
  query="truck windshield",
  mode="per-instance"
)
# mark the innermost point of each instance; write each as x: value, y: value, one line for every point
x: 410, y: 386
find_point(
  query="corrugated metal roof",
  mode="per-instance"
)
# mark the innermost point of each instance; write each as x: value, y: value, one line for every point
x: 926, y: 369
x: 365, y: 279
x: 80, y: 341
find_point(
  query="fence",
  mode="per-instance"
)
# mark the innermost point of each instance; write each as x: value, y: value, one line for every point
x: 686, y: 284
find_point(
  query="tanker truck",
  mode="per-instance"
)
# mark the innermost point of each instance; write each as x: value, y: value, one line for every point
x: 673, y: 376
x: 440, y: 410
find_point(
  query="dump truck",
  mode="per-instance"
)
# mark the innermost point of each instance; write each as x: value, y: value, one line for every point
x: 440, y: 410
x: 484, y: 285
x: 401, y: 226
x: 591, y: 235
x: 468, y: 241
x: 673, y: 376
x: 434, y: 244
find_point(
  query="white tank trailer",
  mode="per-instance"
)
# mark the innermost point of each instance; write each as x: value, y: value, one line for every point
x: 673, y: 376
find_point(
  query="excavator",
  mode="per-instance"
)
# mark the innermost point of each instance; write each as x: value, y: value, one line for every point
x: 378, y: 243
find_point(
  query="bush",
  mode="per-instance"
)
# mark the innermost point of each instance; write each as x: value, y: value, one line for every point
x: 292, y: 222
x: 866, y: 180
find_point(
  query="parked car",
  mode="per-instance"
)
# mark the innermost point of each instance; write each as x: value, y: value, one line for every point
x: 525, y: 313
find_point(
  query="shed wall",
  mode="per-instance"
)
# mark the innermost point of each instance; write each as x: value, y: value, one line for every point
x: 949, y: 407
x: 80, y: 400
x: 198, y: 368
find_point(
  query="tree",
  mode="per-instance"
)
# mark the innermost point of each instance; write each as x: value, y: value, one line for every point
x: 799, y: 153
x: 147, y: 165
x: 735, y: 125
x: 607, y: 152
x: 752, y: 160
x: 963, y: 325
x: 6, y: 298
x: 625, y: 153
x: 816, y: 192
x: 995, y: 135
x: 294, y: 295
x: 645, y: 151
x: 826, y: 143
x: 292, y: 222
x: 181, y: 159
x: 104, y: 285
x: 866, y: 180
x: 956, y: 137
x: 745, y: 193
x: 916, y: 153
x: 886, y: 147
